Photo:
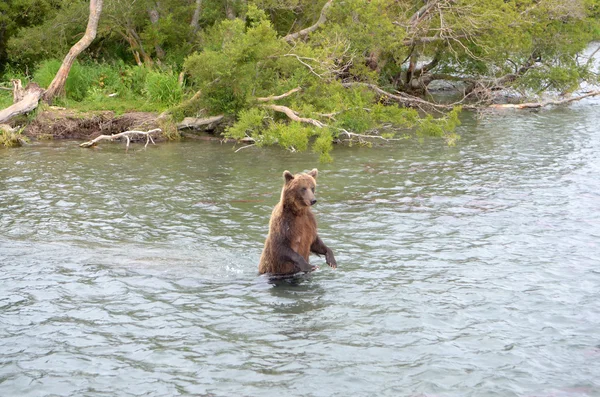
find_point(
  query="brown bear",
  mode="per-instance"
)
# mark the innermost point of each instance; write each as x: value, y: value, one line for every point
x: 293, y: 229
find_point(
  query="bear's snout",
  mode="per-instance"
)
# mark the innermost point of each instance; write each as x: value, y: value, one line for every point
x: 313, y: 201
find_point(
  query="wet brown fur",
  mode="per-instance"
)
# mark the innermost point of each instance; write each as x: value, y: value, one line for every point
x: 293, y: 229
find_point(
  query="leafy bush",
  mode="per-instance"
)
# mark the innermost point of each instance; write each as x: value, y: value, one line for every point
x: 79, y: 81
x: 163, y: 87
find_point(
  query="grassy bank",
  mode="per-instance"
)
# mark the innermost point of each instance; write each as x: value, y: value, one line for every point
x: 99, y: 98
x: 112, y: 87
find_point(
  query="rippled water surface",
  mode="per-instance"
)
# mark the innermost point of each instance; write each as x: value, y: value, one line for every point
x: 471, y: 270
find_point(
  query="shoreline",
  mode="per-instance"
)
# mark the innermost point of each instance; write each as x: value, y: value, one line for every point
x: 58, y: 123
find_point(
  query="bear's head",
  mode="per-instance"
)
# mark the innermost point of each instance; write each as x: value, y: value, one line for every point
x: 299, y: 190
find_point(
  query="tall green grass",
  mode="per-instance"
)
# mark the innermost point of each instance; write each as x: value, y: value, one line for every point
x: 118, y: 87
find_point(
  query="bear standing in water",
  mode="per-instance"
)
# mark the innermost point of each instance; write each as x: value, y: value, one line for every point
x: 293, y: 229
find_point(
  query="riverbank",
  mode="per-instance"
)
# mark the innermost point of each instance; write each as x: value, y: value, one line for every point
x: 56, y: 123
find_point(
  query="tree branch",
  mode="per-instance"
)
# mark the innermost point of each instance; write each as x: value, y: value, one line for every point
x: 312, y: 70
x: 293, y: 116
x: 534, y: 105
x: 403, y: 98
x: 125, y: 134
x: 322, y: 19
x: 276, y: 97
x: 422, y: 12
x: 197, y: 123
x: 364, y: 136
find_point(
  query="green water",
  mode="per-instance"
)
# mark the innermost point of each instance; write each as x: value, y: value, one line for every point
x: 463, y: 271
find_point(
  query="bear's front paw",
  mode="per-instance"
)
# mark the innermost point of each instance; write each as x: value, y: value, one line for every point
x: 330, y: 260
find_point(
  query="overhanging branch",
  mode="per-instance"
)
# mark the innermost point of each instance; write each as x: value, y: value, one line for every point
x: 322, y: 19
x: 276, y: 97
x: 293, y: 116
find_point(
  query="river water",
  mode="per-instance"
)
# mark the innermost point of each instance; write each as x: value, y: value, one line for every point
x: 471, y: 270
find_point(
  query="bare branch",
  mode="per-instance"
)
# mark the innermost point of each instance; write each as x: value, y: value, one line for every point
x: 534, y: 105
x: 422, y: 12
x: 322, y: 19
x: 403, y: 98
x: 364, y: 136
x: 293, y: 116
x: 244, y: 147
x: 431, y: 39
x: 125, y: 134
x: 276, y: 97
x: 300, y: 59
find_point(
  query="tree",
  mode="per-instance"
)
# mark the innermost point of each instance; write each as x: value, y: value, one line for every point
x: 302, y: 74
x: 290, y: 94
x: 29, y: 98
x: 58, y: 84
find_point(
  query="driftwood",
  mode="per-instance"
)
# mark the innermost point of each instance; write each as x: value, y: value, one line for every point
x: 125, y: 135
x: 208, y: 123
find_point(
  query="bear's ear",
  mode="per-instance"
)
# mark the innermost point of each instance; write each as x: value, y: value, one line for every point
x: 287, y: 176
x: 314, y: 173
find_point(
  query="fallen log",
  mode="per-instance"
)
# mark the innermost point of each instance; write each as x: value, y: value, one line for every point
x: 29, y: 99
x: 125, y: 135
x: 194, y: 123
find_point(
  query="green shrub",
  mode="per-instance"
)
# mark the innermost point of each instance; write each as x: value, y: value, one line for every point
x: 163, y: 87
x: 80, y: 79
x: 10, y: 138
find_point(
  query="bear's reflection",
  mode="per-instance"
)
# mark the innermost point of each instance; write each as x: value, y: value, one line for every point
x: 296, y: 295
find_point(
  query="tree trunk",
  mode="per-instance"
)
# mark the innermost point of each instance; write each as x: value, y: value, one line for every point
x: 136, y: 43
x: 58, y: 84
x: 195, y: 24
x: 229, y: 9
x: 18, y: 91
x: 154, y: 17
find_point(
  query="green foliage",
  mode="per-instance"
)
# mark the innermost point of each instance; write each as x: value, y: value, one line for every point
x: 235, y: 63
x: 243, y: 61
x: 11, y: 138
x: 41, y: 29
x: 444, y: 127
x: 293, y: 136
x: 169, y: 129
x: 323, y: 145
x: 249, y: 124
x: 163, y: 87
x: 236, y: 57
x: 117, y: 87
x: 6, y: 99
x: 78, y: 82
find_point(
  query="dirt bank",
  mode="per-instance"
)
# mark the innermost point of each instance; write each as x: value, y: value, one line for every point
x: 60, y: 123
